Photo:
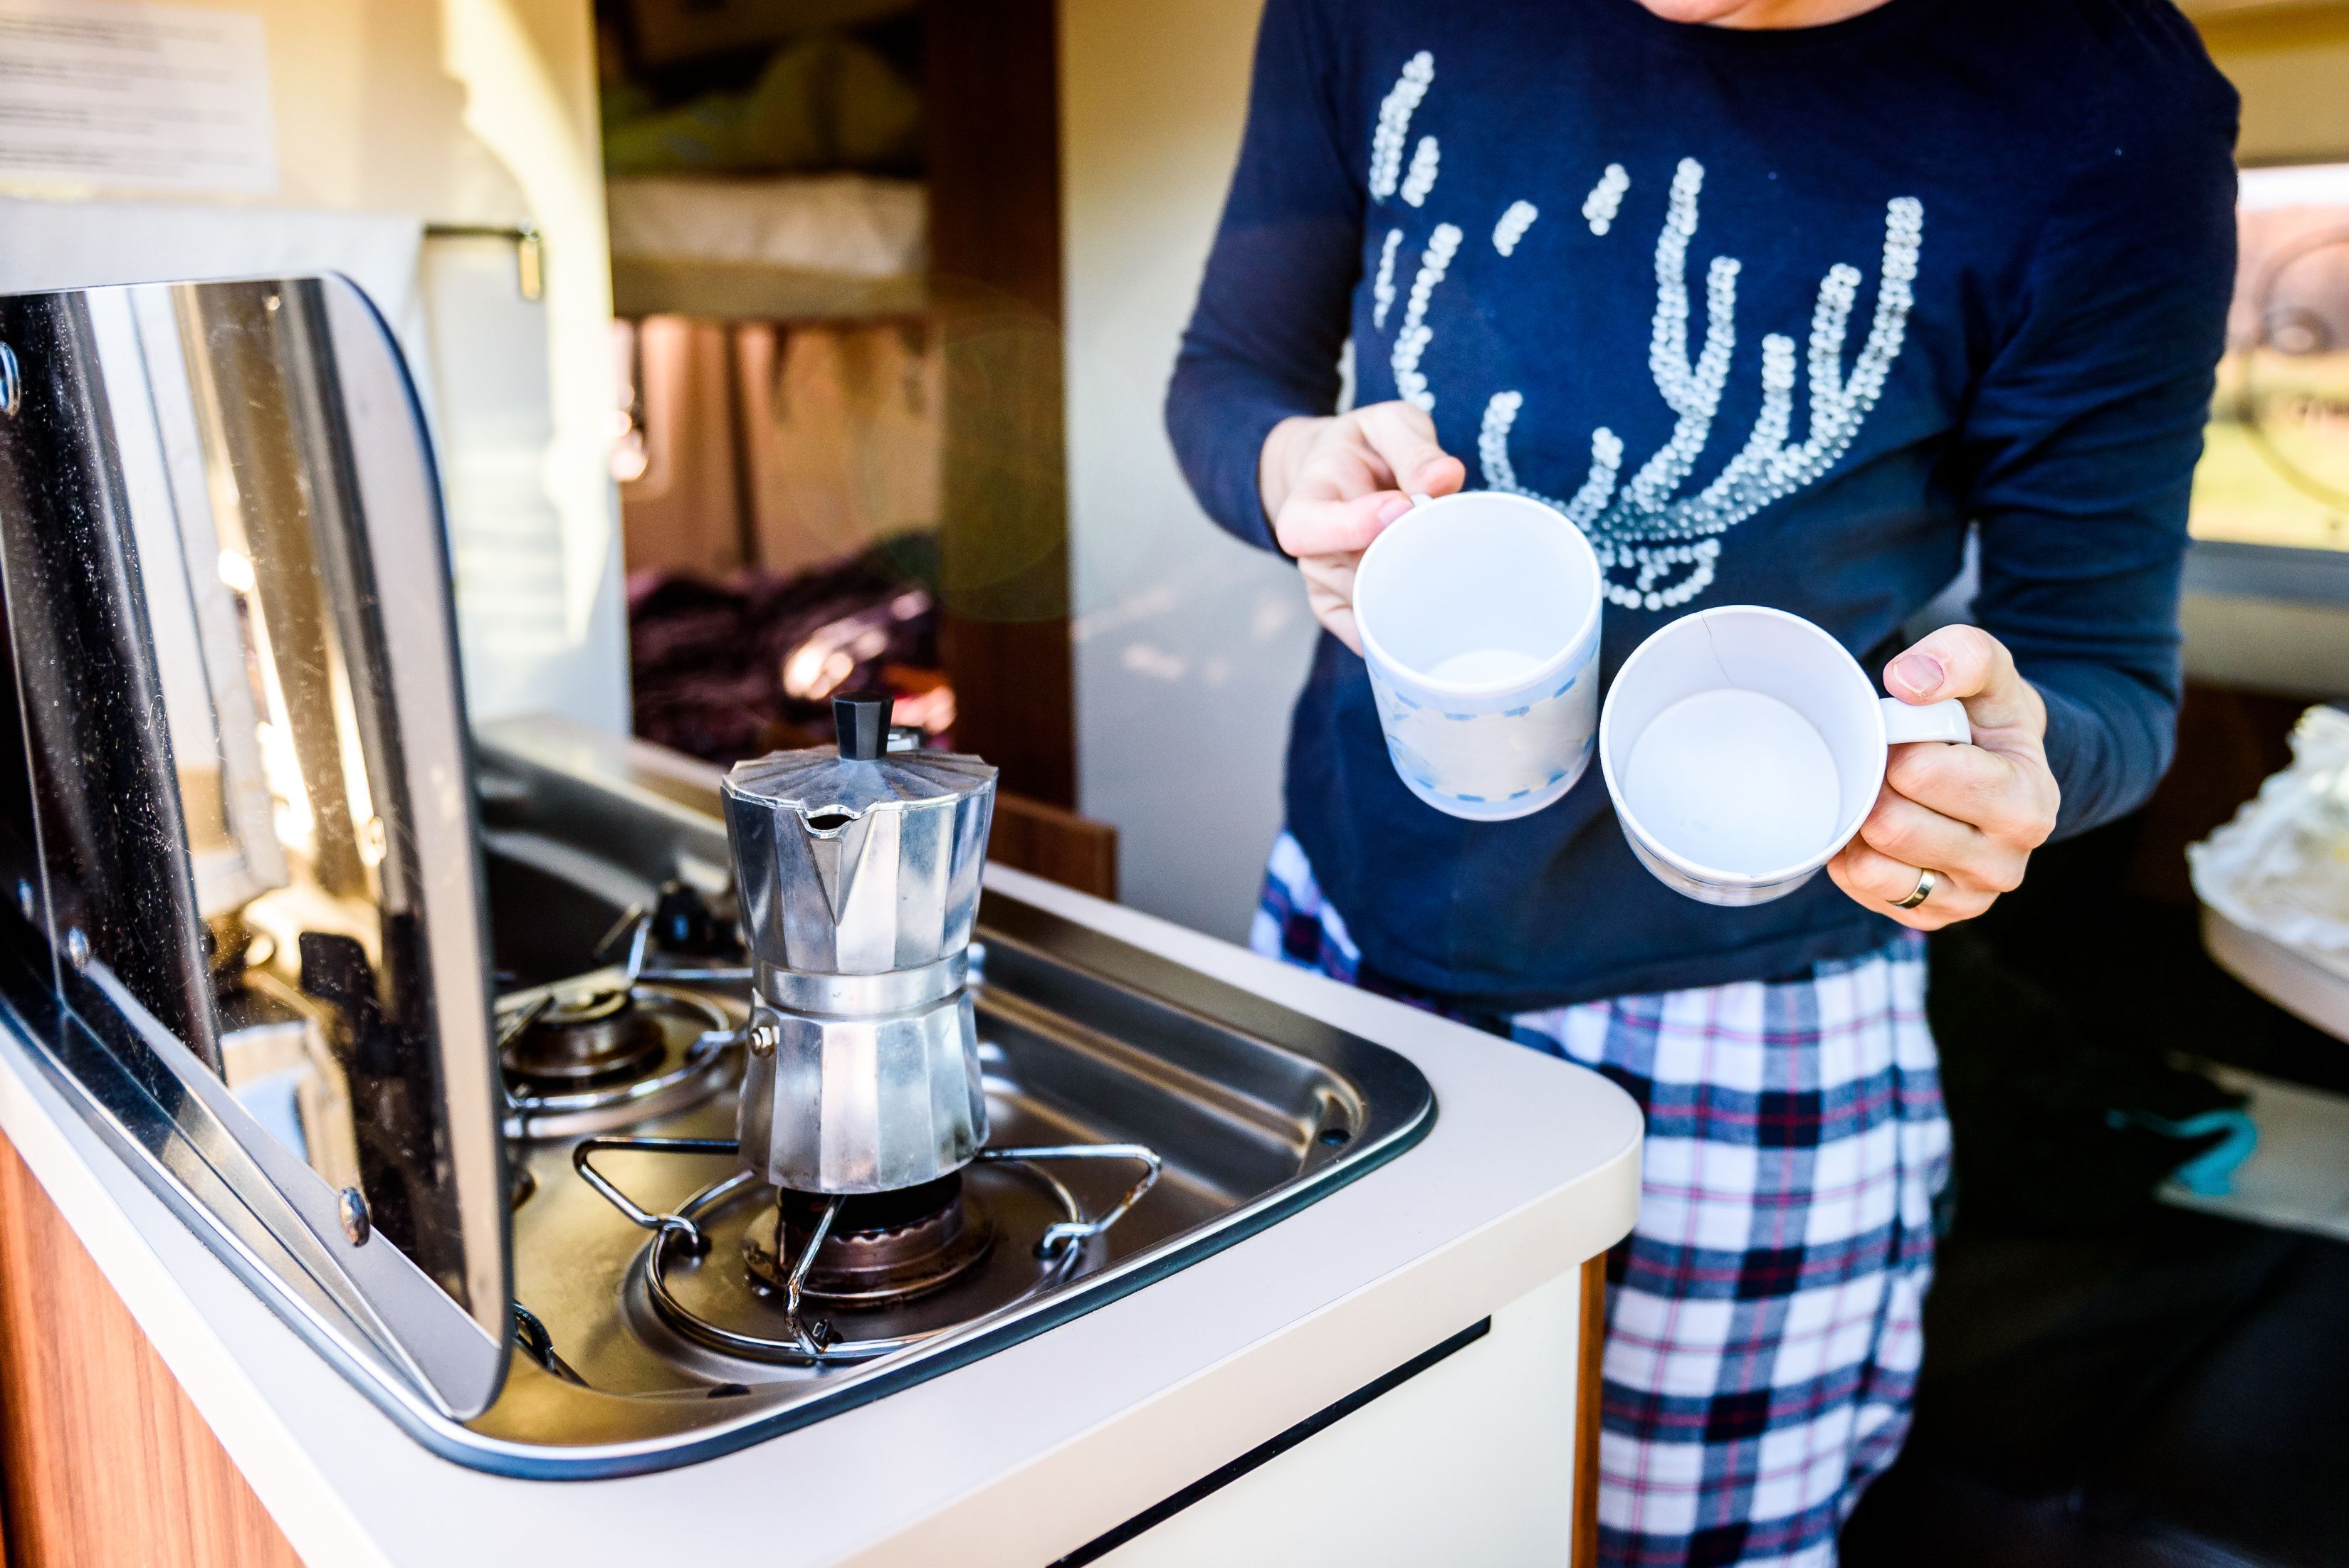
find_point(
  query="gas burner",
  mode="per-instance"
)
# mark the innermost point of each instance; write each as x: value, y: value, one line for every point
x: 892, y: 1270
x: 586, y: 1039
x: 881, y: 1248
x: 599, y: 1052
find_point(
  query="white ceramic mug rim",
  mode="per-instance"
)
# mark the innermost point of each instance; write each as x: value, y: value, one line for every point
x: 1705, y: 873
x: 1583, y: 629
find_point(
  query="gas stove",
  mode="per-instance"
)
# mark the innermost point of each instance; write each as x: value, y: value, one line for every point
x: 568, y: 1129
x: 603, y: 1051
x: 747, y: 1268
x: 672, y: 1303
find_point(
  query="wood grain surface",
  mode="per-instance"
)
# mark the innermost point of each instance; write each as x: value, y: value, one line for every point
x: 1055, y: 844
x: 103, y: 1461
x: 1586, y: 1414
x: 991, y: 107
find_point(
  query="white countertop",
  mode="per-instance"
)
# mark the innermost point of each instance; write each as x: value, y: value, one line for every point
x: 1531, y: 1168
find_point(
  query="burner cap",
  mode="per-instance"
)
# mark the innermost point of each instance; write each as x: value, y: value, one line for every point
x: 585, y: 1038
x: 883, y: 1247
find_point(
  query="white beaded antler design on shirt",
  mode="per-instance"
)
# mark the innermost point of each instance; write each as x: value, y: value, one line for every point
x: 1665, y: 542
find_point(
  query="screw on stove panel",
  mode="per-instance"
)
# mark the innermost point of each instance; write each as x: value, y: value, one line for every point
x: 358, y: 1224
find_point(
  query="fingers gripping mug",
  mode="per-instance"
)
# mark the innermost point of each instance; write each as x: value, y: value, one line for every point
x: 1479, y: 621
x: 1744, y: 747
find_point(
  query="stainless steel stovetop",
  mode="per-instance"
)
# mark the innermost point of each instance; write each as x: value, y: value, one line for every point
x: 657, y: 1337
x: 316, y: 965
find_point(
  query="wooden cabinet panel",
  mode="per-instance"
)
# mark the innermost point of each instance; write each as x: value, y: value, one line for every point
x: 1586, y: 1415
x: 1055, y: 844
x: 104, y: 1459
x: 992, y: 110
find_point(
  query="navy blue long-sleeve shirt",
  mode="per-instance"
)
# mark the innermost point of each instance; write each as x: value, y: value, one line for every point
x: 1773, y: 315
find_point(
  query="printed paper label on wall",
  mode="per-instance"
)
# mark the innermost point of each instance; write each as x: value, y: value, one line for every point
x: 110, y: 95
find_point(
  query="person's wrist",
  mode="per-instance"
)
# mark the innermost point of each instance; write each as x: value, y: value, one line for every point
x: 1282, y: 459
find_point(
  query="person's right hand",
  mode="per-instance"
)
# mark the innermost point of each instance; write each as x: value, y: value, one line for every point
x: 1331, y: 485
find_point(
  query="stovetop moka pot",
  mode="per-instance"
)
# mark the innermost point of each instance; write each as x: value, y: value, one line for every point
x: 857, y: 871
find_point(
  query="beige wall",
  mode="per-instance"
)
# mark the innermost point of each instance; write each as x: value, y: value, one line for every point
x: 368, y: 115
x: 2290, y: 63
x: 476, y: 112
x: 1190, y: 646
x: 528, y: 69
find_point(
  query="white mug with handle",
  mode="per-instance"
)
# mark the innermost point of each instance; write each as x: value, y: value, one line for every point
x: 1479, y: 619
x: 1744, y: 747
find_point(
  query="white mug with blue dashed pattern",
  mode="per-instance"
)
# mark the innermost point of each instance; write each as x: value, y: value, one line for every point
x: 1479, y: 621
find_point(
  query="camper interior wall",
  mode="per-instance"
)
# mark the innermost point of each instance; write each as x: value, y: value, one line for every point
x: 2287, y: 60
x: 1189, y: 646
x: 471, y: 115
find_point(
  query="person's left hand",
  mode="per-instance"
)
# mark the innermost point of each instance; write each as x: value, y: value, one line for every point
x: 1971, y: 813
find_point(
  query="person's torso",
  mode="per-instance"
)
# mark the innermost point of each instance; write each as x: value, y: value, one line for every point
x: 1720, y: 296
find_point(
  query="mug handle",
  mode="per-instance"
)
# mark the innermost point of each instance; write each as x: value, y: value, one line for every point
x: 1944, y: 720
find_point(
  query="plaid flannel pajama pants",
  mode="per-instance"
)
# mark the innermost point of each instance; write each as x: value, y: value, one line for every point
x: 1763, y: 1323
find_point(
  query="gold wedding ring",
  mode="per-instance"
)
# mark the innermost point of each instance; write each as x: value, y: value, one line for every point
x: 1926, y: 881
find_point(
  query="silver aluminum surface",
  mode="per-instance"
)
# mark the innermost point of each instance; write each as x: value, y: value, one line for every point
x: 858, y: 868
x: 244, y: 809
x: 332, y: 865
x: 1083, y: 1040
x: 1257, y: 1111
x: 865, y: 1105
x: 857, y: 880
x: 860, y: 995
